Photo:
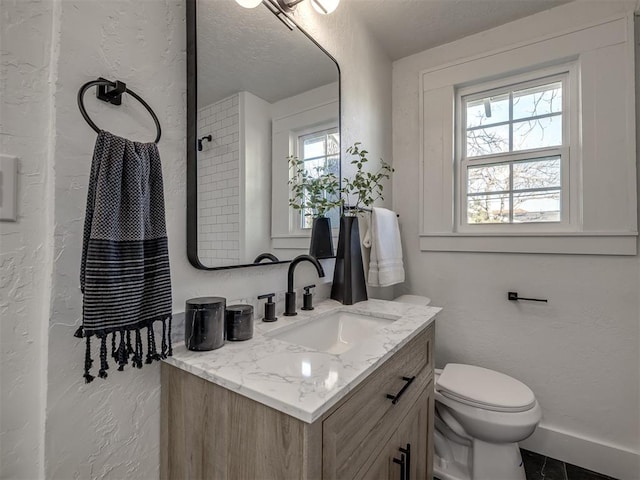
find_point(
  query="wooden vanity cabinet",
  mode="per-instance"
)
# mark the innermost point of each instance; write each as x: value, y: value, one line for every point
x: 210, y: 432
x: 407, y: 455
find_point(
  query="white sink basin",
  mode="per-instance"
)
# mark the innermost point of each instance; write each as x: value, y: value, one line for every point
x: 319, y: 371
x: 334, y: 333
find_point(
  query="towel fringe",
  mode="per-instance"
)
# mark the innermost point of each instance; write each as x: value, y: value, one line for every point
x: 163, y: 353
x: 126, y: 348
x: 152, y: 353
x: 149, y: 334
x: 137, y: 358
x: 114, y: 353
x: 88, y: 378
x: 79, y: 333
x: 129, y: 348
x: 104, y: 366
x: 123, y: 356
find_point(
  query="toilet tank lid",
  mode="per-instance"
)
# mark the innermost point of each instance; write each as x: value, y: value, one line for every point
x: 485, y: 388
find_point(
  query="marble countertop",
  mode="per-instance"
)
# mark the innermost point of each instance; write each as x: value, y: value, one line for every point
x: 297, y: 380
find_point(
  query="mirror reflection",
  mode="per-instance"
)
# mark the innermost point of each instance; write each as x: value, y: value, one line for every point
x: 264, y: 92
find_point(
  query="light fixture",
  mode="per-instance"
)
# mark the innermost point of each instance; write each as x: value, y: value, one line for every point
x: 321, y: 6
x: 325, y: 6
x: 281, y: 8
x: 249, y: 3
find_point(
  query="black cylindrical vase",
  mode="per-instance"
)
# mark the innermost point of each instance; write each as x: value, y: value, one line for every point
x: 239, y: 322
x: 204, y: 326
x: 349, y: 285
x: 321, y: 245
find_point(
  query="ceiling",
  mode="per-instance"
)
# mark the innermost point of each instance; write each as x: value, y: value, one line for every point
x: 405, y: 27
x: 242, y: 49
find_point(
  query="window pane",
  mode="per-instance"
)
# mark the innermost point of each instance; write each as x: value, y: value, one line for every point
x: 333, y: 165
x: 488, y: 208
x: 535, y: 101
x: 486, y: 141
x: 320, y: 152
x: 315, y: 168
x: 536, y: 207
x: 334, y: 217
x: 538, y: 174
x: 543, y: 132
x: 333, y: 144
x: 314, y: 147
x: 488, y: 111
x: 307, y: 218
x: 493, y: 178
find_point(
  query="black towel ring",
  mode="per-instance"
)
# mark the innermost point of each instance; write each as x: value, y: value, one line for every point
x: 112, y: 92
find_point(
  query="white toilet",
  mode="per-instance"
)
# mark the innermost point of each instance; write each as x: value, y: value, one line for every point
x: 480, y: 417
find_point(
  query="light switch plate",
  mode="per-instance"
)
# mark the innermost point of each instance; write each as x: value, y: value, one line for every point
x: 8, y: 188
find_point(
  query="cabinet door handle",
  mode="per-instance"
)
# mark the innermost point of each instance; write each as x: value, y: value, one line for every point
x: 403, y: 466
x: 407, y: 452
x: 396, y: 398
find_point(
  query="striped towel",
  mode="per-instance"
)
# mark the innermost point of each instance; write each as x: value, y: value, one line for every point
x: 124, y: 275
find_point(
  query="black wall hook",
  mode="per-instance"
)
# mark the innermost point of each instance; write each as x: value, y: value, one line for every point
x: 111, y: 94
x: 200, y: 140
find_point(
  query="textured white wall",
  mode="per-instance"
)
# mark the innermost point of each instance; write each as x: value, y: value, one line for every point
x: 366, y: 83
x: 580, y: 352
x: 25, y: 246
x: 110, y: 428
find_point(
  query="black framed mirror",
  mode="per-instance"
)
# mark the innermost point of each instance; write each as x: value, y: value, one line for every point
x: 259, y: 89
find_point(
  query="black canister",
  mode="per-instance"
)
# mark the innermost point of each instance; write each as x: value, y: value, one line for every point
x: 239, y: 322
x: 204, y: 327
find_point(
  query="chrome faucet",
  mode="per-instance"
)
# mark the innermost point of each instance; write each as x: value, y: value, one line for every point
x: 290, y: 296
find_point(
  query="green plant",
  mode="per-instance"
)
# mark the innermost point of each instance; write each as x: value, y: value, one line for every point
x: 313, y: 192
x: 365, y: 187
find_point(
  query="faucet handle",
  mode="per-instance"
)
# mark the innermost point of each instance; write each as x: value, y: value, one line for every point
x: 269, y: 307
x: 307, y: 298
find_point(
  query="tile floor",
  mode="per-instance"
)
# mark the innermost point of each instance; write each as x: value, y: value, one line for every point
x: 539, y: 467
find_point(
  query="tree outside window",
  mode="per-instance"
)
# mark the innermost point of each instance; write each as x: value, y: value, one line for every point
x: 512, y: 142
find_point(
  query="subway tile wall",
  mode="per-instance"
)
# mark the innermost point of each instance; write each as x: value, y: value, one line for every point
x: 219, y: 183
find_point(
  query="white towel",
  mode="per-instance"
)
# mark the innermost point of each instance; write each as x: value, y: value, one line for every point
x: 383, y: 237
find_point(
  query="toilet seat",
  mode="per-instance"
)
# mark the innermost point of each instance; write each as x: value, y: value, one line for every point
x: 483, y: 388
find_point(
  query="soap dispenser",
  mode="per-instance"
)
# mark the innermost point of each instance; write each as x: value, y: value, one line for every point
x: 307, y: 298
x: 269, y: 307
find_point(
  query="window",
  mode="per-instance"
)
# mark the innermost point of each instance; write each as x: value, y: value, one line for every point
x: 320, y: 152
x: 513, y: 141
x: 567, y: 188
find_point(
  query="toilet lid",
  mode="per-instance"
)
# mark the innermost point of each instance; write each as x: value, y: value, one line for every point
x: 484, y: 388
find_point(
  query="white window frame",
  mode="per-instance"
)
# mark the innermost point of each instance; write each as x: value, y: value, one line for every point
x: 568, y: 151
x: 295, y: 217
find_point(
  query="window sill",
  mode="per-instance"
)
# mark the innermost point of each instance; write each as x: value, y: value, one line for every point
x: 583, y: 243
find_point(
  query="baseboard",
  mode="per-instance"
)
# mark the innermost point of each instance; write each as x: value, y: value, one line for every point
x: 612, y: 460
